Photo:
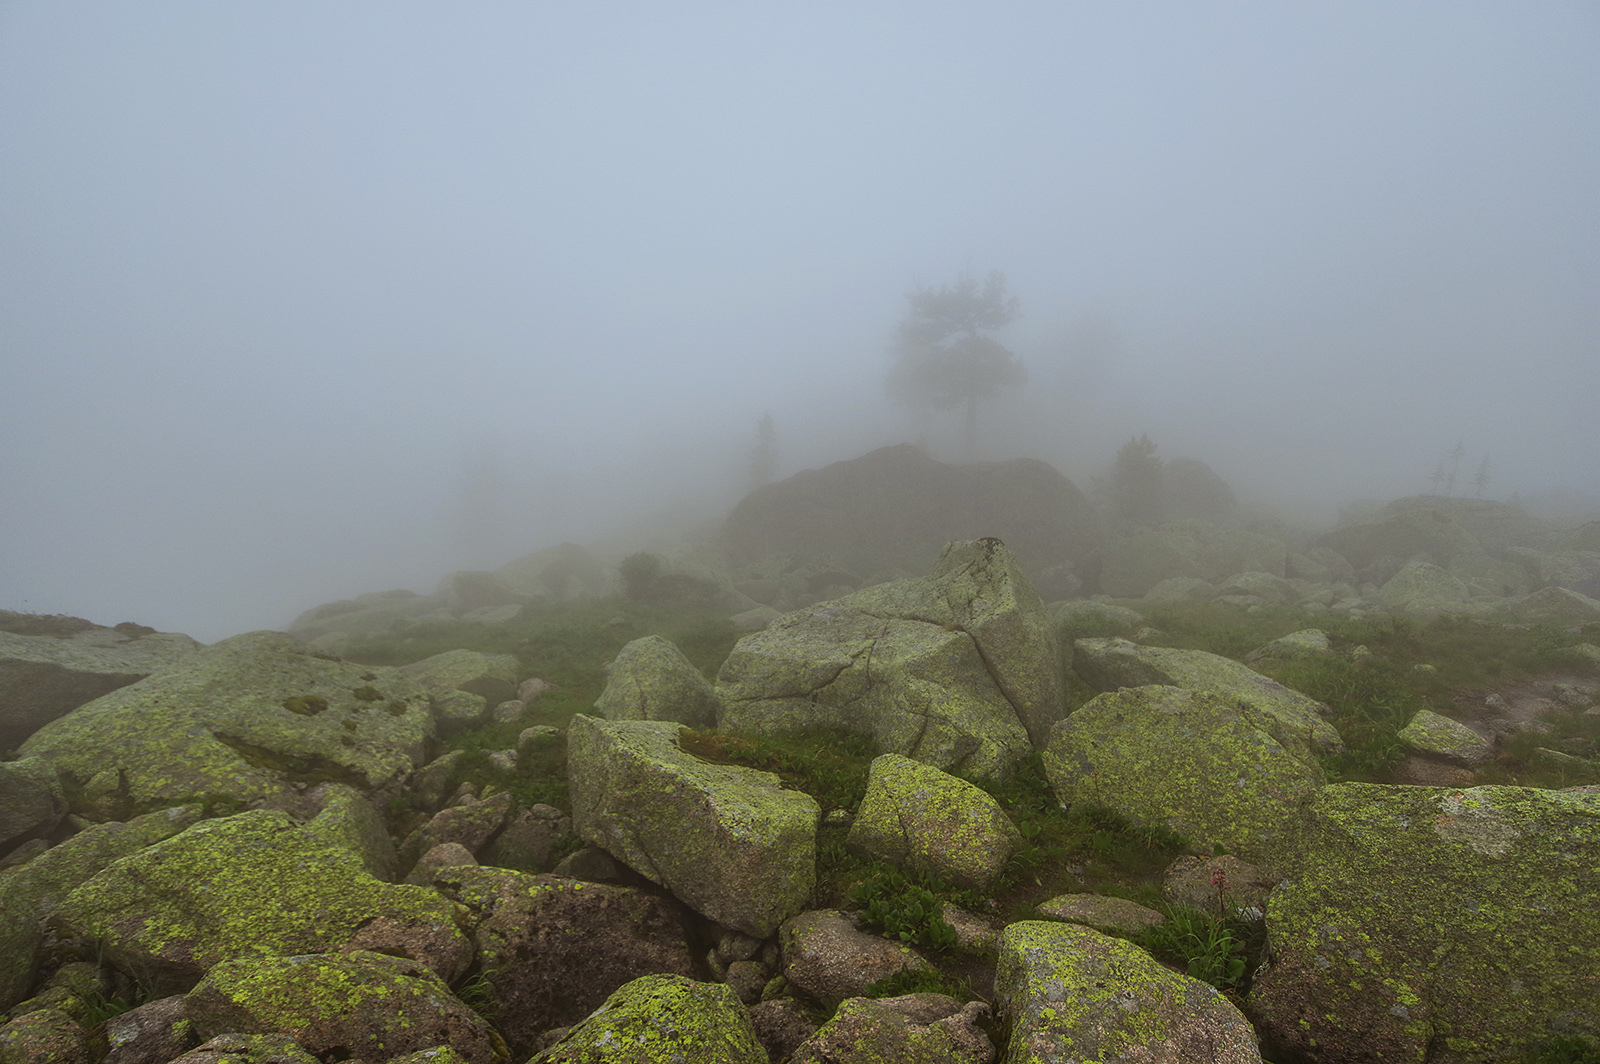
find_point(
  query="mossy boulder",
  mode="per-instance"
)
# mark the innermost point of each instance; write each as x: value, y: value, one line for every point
x: 44, y: 1036
x: 652, y: 680
x: 1079, y: 618
x: 1070, y: 993
x: 1097, y: 910
x: 247, y: 719
x: 1305, y: 645
x: 1136, y: 562
x: 658, y: 1019
x: 348, y: 819
x: 31, y: 801
x: 1293, y: 719
x: 252, y: 884
x: 1424, y: 590
x: 30, y: 893
x: 492, y: 677
x: 910, y: 1029
x: 1201, y: 763
x: 829, y: 956
x: 1434, y: 735
x: 928, y: 821
x: 1434, y: 923
x: 233, y: 1048
x: 958, y: 669
x: 361, y: 1006
x: 551, y: 950
x: 1552, y: 605
x: 729, y: 841
x: 1426, y: 533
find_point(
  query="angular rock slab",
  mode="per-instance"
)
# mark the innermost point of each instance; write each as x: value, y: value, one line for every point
x: 1295, y: 719
x: 1198, y: 762
x: 552, y: 949
x: 662, y: 1018
x: 1424, y: 920
x: 652, y: 680
x: 958, y: 669
x: 924, y: 820
x: 361, y: 1006
x: 250, y: 884
x: 1435, y: 735
x: 729, y: 842
x: 1070, y: 993
x: 828, y: 956
x: 912, y: 1029
x: 243, y: 719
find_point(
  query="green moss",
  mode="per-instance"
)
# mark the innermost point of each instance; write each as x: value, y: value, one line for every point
x: 367, y: 694
x: 306, y: 705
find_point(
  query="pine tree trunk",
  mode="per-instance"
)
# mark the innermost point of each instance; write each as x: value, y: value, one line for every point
x: 972, y: 428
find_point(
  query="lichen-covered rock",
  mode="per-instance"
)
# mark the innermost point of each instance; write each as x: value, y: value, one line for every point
x: 728, y: 841
x: 492, y: 677
x: 1097, y: 910
x: 247, y: 718
x: 1434, y: 735
x: 1070, y: 993
x: 1080, y: 618
x: 1270, y: 588
x: 361, y: 1006
x: 1435, y: 923
x: 928, y: 821
x: 1307, y: 643
x: 31, y: 800
x: 552, y: 950
x: 30, y: 894
x: 235, y: 1048
x: 1552, y: 605
x: 255, y: 883
x: 652, y: 680
x: 1294, y: 719
x: 527, y: 843
x: 1223, y: 886
x: 1429, y: 533
x: 152, y: 1033
x: 957, y: 669
x: 1201, y: 763
x: 829, y: 957
x: 1422, y: 589
x: 349, y: 820
x: 1135, y: 563
x: 662, y: 1018
x: 44, y: 676
x: 902, y: 1030
x: 469, y: 824
x: 44, y: 1036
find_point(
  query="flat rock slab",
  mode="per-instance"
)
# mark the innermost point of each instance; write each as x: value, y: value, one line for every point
x: 1097, y: 910
x: 662, y: 1018
x: 728, y: 841
x: 1421, y: 917
x: 247, y: 718
x: 830, y: 957
x: 652, y: 680
x: 1435, y: 735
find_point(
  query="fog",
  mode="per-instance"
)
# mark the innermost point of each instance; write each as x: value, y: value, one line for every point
x: 303, y: 300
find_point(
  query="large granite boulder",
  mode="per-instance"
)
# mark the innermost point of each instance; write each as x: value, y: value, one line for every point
x: 52, y: 665
x: 1377, y: 548
x: 829, y: 956
x: 961, y: 669
x: 30, y: 893
x: 1198, y: 762
x: 910, y: 1029
x: 251, y: 718
x: 360, y: 1006
x: 1434, y: 923
x: 893, y: 510
x: 729, y: 841
x: 1552, y: 605
x: 31, y: 801
x: 334, y: 625
x: 1424, y: 590
x: 551, y: 950
x: 662, y: 1018
x: 1071, y: 993
x: 652, y: 680
x: 1295, y: 720
x: 927, y: 821
x: 1577, y: 570
x: 1137, y: 561
x: 255, y: 883
x: 492, y: 677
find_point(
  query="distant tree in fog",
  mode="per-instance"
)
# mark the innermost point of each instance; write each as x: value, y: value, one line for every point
x: 1481, y: 479
x: 1136, y: 487
x: 944, y: 359
x: 1457, y: 453
x: 764, y: 456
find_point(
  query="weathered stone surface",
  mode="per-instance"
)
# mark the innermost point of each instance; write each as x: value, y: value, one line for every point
x: 1071, y: 993
x: 1575, y: 570
x: 1434, y: 735
x: 469, y: 824
x: 1225, y: 885
x: 895, y: 508
x: 255, y: 883
x: 552, y: 950
x: 903, y: 1030
x: 492, y: 677
x: 246, y: 718
x: 45, y: 676
x: 728, y: 841
x: 526, y: 844
x: 652, y: 680
x: 1293, y: 719
x: 45, y: 1036
x: 1308, y: 643
x: 153, y: 1033
x: 1270, y: 588
x: 1135, y: 563
x: 444, y: 856
x: 1422, y: 589
x: 924, y: 820
x: 1202, y: 763
x: 348, y: 819
x: 31, y: 893
x: 248, y: 1049
x: 1080, y: 618
x: 781, y: 1024
x: 662, y: 1018
x: 828, y: 956
x: 1433, y: 922
x: 1097, y: 910
x: 1429, y: 533
x: 1552, y: 605
x: 31, y: 800
x: 957, y: 669
x: 362, y: 1006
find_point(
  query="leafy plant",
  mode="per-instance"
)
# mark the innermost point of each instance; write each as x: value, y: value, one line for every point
x: 921, y: 981
x: 1565, y: 1049
x: 909, y: 910
x: 1213, y: 949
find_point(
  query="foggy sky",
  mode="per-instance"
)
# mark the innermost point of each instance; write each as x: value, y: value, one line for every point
x: 288, y: 290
